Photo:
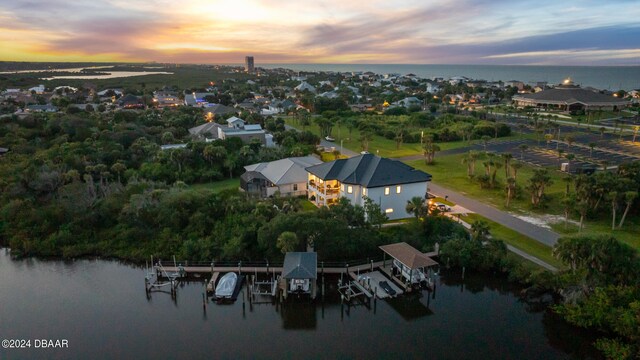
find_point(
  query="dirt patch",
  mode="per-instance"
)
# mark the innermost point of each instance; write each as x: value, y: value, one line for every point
x: 544, y: 221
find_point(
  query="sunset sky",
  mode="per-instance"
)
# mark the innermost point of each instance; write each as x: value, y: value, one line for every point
x: 323, y: 31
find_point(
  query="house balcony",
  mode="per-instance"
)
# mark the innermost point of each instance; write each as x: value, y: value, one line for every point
x: 323, y: 194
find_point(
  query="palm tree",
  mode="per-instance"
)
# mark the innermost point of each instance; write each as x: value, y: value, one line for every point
x: 511, y: 190
x: 480, y: 230
x: 569, y: 139
x: 568, y: 180
x: 208, y: 153
x: 470, y: 159
x: 569, y: 158
x: 560, y: 152
x: 613, y: 197
x: 629, y: 198
x: 230, y: 163
x: 118, y: 168
x: 523, y: 148
x: 514, y: 168
x: 507, y: 157
x: 365, y: 137
x: 591, y: 146
x: 485, y: 139
x: 430, y: 150
x: 548, y: 138
x: 568, y: 203
x: 416, y: 207
x: 582, y: 207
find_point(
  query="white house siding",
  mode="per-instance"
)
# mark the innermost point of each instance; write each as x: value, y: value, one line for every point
x: 355, y: 197
x: 287, y: 189
x: 397, y: 202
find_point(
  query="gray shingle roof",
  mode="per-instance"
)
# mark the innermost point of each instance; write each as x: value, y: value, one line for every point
x: 370, y: 171
x: 300, y: 265
x: 209, y: 128
x: 570, y: 95
x: 219, y: 109
x: 285, y: 171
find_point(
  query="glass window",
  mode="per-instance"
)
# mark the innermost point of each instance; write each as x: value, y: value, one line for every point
x: 342, y: 187
x: 386, y: 191
x: 350, y: 189
x: 388, y: 211
x: 398, y: 189
x: 364, y: 191
x: 295, y: 187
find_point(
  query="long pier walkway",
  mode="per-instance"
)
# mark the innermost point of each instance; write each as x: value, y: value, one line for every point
x: 201, y: 268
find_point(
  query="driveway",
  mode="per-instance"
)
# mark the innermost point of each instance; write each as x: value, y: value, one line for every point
x: 535, y: 232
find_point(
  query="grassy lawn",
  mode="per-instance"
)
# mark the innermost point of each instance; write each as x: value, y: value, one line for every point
x: 517, y: 240
x: 328, y: 156
x: 451, y: 173
x: 629, y: 233
x: 308, y: 205
x: 216, y: 186
x: 380, y: 145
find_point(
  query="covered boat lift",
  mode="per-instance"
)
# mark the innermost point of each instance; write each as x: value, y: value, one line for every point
x: 409, y: 262
x: 299, y: 273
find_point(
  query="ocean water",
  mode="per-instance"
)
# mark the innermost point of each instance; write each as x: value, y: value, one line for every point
x: 601, y: 77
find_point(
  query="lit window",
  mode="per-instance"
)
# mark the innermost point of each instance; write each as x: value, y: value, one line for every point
x: 386, y: 191
x: 398, y: 189
x: 350, y: 189
x: 388, y: 211
x: 364, y: 191
x: 342, y: 187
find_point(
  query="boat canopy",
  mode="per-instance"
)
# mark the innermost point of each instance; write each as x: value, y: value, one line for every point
x: 226, y: 285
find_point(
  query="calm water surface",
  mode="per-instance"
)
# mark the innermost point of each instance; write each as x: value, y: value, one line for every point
x: 101, y: 308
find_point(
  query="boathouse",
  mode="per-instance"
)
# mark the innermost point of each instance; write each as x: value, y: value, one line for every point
x: 408, y: 262
x: 300, y: 271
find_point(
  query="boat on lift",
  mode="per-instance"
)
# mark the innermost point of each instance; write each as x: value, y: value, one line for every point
x: 226, y: 286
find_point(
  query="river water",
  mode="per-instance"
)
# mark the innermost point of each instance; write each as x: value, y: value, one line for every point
x: 101, y: 308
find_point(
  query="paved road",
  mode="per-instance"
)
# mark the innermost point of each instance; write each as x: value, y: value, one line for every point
x: 535, y: 232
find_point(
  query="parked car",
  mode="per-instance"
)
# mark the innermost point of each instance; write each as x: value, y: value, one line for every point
x: 329, y: 138
x: 442, y: 207
x: 364, y: 152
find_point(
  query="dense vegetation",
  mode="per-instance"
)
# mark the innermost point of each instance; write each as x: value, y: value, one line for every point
x: 90, y: 184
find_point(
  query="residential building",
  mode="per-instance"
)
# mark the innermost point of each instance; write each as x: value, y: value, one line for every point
x: 248, y: 64
x: 286, y: 176
x: 164, y: 99
x: 236, y: 127
x: 40, y: 108
x: 131, y: 101
x: 389, y: 183
x: 305, y: 86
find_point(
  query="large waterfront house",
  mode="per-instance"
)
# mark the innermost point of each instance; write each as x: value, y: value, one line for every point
x: 570, y: 97
x: 389, y: 183
x: 286, y: 176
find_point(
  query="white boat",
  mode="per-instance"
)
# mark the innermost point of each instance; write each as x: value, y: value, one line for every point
x: 226, y: 285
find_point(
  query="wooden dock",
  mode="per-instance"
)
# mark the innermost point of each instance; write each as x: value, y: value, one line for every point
x: 268, y: 270
x: 211, y: 286
x: 371, y: 281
